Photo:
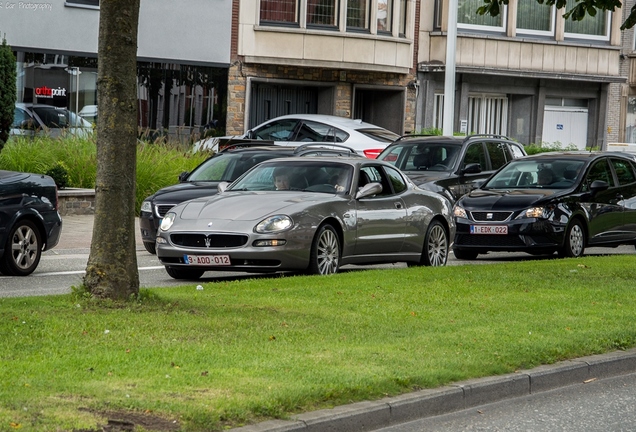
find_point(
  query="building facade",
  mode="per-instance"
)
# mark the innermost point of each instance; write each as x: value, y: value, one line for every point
x: 527, y: 73
x: 349, y: 58
x: 183, y: 51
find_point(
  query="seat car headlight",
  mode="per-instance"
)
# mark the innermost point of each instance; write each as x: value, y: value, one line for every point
x: 167, y: 221
x: 459, y: 212
x: 146, y: 206
x: 534, y: 212
x: 274, y: 224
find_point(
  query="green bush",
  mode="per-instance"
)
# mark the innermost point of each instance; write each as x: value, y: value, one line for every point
x: 549, y: 147
x: 7, y: 91
x: 59, y: 173
x: 158, y: 164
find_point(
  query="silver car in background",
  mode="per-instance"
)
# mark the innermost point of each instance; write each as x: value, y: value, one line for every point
x: 296, y: 129
x: 307, y: 214
x: 48, y: 120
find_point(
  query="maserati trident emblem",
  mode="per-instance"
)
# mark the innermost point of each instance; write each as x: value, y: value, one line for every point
x: 207, y: 242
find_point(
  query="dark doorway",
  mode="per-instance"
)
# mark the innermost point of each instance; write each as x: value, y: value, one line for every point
x: 381, y: 107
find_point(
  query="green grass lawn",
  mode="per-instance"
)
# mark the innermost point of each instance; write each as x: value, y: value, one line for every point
x: 240, y: 352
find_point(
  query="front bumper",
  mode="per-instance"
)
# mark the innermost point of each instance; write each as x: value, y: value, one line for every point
x: 148, y: 225
x: 524, y: 235
x: 294, y: 255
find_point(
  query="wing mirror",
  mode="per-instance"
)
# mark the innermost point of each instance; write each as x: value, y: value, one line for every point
x: 369, y: 189
x: 28, y: 124
x: 183, y: 176
x: 222, y: 186
x: 598, y: 186
x: 472, y: 168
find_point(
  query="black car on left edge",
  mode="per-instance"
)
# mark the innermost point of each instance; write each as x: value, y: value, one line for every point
x: 29, y: 221
x: 551, y: 202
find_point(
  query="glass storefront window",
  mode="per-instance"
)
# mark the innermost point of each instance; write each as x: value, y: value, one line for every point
x: 174, y: 100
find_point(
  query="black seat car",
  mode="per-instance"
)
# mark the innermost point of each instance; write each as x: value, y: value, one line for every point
x: 29, y: 221
x: 550, y: 202
x: 451, y: 166
x: 225, y: 166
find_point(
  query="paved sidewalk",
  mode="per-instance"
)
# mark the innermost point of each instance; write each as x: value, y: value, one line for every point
x: 77, y: 232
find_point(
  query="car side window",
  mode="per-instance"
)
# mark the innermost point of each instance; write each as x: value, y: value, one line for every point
x: 393, y: 157
x: 20, y: 116
x: 599, y: 171
x: 311, y: 131
x: 624, y: 171
x: 280, y: 130
x: 499, y: 154
x: 398, y: 183
x: 516, y: 151
x: 373, y: 174
x: 475, y: 154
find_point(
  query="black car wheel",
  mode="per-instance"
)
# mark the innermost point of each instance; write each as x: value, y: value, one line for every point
x: 179, y: 273
x: 435, y: 251
x: 23, y: 250
x: 150, y: 247
x: 466, y: 255
x: 325, y: 252
x: 574, y: 244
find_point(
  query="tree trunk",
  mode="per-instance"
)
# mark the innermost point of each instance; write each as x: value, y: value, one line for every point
x: 112, y: 265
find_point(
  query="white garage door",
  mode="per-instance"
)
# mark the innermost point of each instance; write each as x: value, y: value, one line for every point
x: 565, y: 126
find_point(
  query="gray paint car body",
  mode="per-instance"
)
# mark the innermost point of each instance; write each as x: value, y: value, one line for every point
x: 372, y: 226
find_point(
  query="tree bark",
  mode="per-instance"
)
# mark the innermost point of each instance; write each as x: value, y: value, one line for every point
x: 112, y: 271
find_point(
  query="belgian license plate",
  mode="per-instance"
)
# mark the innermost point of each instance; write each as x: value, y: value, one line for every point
x: 216, y: 260
x: 489, y: 229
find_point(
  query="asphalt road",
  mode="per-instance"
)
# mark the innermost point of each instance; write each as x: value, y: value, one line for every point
x: 64, y: 266
x: 60, y: 269
x: 599, y: 406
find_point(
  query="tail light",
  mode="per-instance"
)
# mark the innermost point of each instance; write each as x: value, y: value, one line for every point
x: 372, y: 153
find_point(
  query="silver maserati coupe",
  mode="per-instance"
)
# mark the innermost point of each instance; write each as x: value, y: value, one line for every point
x: 310, y: 214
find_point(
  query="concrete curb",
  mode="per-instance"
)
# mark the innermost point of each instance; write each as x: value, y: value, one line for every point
x: 368, y: 416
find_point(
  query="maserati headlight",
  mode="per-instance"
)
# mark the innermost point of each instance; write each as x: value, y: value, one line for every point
x: 274, y: 224
x: 459, y: 212
x: 167, y: 221
x: 146, y: 206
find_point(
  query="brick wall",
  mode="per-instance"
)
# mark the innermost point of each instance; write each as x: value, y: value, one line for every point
x: 76, y: 202
x: 344, y: 82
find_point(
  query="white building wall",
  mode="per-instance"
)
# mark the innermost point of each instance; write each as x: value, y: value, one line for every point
x: 196, y: 31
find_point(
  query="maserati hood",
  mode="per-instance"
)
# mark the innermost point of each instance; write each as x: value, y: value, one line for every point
x: 247, y: 206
